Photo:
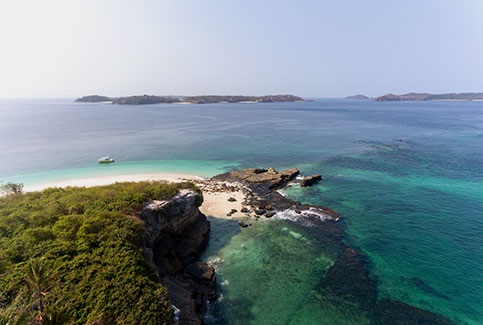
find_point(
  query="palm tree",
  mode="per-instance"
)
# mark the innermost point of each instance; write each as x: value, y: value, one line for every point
x: 39, y: 278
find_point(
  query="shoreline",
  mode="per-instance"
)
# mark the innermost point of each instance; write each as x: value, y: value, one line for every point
x: 219, y: 198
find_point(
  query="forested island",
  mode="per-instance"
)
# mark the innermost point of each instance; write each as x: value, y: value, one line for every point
x: 427, y: 96
x: 204, y: 99
x: 357, y: 97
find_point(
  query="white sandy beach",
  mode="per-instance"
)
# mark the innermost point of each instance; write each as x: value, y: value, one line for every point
x: 105, y: 180
x: 216, y: 195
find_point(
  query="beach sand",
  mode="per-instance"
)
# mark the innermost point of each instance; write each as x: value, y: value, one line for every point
x: 216, y: 195
x: 220, y: 198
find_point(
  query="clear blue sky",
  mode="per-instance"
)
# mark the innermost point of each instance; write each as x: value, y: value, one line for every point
x: 313, y: 48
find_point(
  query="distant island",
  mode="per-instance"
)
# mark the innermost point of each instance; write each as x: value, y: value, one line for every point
x: 205, y: 99
x: 357, y: 97
x: 426, y: 96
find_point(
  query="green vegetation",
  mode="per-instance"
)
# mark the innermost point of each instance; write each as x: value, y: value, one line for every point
x: 75, y: 256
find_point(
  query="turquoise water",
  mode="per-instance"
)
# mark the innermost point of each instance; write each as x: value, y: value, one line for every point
x: 407, y: 178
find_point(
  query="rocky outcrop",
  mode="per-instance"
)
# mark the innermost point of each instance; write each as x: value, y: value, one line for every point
x: 266, y: 178
x: 310, y: 180
x: 176, y: 235
x: 261, y: 187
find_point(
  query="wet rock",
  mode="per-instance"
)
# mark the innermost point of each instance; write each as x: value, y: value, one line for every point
x: 200, y: 271
x: 311, y: 180
x: 269, y: 214
x: 260, y: 212
x: 297, y: 211
x: 242, y: 224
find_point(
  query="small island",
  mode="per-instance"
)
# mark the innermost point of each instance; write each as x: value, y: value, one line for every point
x: 357, y: 97
x: 427, y: 96
x: 205, y: 99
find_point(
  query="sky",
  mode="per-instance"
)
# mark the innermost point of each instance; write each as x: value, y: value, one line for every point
x: 311, y: 48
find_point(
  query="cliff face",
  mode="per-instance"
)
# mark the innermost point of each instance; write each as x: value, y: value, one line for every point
x: 176, y: 235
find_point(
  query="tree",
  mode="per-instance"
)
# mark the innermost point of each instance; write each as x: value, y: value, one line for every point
x: 39, y: 278
x: 12, y: 188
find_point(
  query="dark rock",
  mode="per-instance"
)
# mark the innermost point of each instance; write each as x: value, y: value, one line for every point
x: 200, y: 271
x: 242, y: 224
x: 269, y: 214
x: 311, y: 180
x: 244, y: 210
x: 233, y: 211
x: 298, y: 211
x: 232, y: 199
x: 268, y: 207
x: 270, y: 178
x: 260, y: 212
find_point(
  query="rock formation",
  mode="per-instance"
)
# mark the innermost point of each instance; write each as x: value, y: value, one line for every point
x: 176, y: 235
x: 311, y: 180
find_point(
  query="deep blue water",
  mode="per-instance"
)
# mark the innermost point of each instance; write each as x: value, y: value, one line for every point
x: 406, y: 176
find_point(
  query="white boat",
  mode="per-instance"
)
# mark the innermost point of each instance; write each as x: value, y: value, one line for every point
x: 105, y: 160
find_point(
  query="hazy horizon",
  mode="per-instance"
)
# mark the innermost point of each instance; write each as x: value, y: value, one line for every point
x: 313, y: 49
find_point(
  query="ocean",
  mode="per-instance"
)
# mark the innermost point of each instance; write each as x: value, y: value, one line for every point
x: 407, y: 178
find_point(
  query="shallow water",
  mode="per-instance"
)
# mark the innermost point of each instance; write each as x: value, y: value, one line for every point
x: 407, y: 178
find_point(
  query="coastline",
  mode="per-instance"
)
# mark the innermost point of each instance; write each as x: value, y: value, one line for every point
x: 216, y: 195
